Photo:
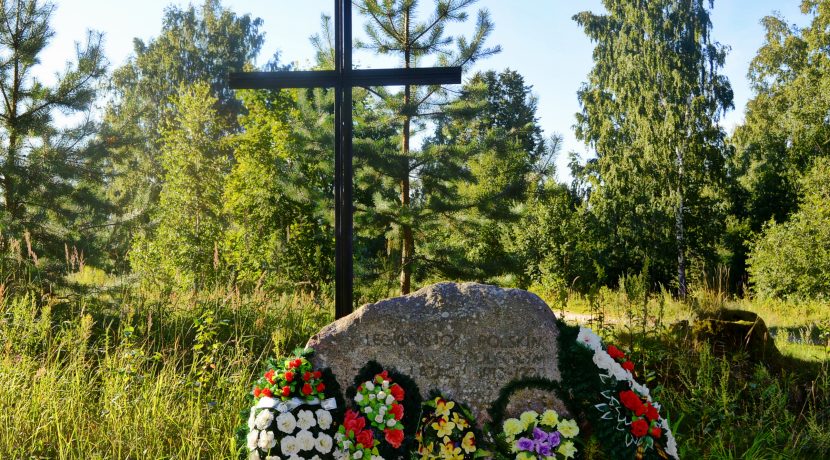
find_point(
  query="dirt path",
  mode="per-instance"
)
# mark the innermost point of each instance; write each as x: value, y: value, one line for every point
x: 581, y: 319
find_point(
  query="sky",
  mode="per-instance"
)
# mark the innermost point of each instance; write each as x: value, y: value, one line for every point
x: 538, y: 39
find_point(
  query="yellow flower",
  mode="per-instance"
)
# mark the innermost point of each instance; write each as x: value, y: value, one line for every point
x: 550, y: 418
x: 528, y: 419
x: 525, y: 456
x: 425, y: 451
x: 459, y: 421
x: 443, y: 407
x: 568, y: 428
x: 469, y: 442
x: 567, y: 449
x: 512, y: 427
x: 449, y: 451
x: 443, y: 427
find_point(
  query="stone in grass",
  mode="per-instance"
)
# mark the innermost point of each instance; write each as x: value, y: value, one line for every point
x: 728, y: 331
x: 466, y: 340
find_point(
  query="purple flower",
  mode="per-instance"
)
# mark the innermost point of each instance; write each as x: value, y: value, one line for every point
x: 555, y: 439
x: 539, y: 434
x: 543, y: 449
x: 524, y: 444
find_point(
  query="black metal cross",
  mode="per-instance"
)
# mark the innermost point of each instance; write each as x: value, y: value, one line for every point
x: 343, y: 78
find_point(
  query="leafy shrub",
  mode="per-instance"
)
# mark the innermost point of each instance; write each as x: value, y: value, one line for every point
x: 792, y: 259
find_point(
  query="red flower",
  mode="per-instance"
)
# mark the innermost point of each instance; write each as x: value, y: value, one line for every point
x: 320, y: 387
x: 651, y: 413
x: 393, y: 437
x: 656, y: 432
x: 307, y: 389
x: 353, y: 421
x: 639, y: 428
x: 307, y: 376
x: 286, y: 390
x: 269, y: 376
x: 257, y: 391
x: 397, y: 392
x: 615, y: 352
x: 266, y: 392
x: 628, y: 365
x: 289, y: 376
x: 366, y: 439
x: 397, y: 411
x: 384, y: 375
x: 631, y: 400
x: 317, y: 374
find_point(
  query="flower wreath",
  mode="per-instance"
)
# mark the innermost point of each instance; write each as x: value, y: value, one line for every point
x: 298, y: 423
x: 385, y: 406
x: 447, y: 431
x: 628, y: 417
x: 533, y: 436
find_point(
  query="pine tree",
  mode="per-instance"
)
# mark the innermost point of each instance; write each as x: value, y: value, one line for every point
x: 492, y: 134
x: 49, y: 174
x: 650, y: 110
x: 394, y: 29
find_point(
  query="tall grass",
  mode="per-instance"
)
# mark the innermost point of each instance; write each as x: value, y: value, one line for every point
x: 148, y: 379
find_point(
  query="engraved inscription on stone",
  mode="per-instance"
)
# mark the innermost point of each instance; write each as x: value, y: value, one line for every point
x: 467, y: 340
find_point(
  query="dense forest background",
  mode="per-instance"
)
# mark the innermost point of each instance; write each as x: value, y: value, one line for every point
x: 181, y: 183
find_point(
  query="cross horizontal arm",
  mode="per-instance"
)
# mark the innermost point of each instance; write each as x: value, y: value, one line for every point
x: 331, y: 78
x: 287, y: 79
x: 400, y: 77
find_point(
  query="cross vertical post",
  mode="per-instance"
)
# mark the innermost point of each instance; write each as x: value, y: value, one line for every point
x: 343, y: 220
x: 343, y: 78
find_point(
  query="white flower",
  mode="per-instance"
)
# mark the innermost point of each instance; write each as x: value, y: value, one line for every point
x: 339, y: 454
x: 266, y: 440
x: 286, y: 422
x: 391, y: 422
x: 379, y: 418
x: 372, y: 396
x: 382, y: 410
x: 385, y: 384
x: 376, y: 457
x: 390, y: 399
x: 381, y: 394
x: 273, y: 457
x: 305, y: 440
x: 316, y: 457
x: 358, y: 397
x: 305, y: 419
x: 289, y: 445
x: 357, y: 455
x: 347, y: 444
x: 367, y: 409
x: 671, y: 443
x: 254, y: 455
x: 339, y: 436
x: 370, y: 386
x: 323, y: 419
x: 295, y: 457
x: 264, y: 419
x: 252, y: 438
x: 323, y: 443
x: 252, y: 419
x: 589, y: 339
